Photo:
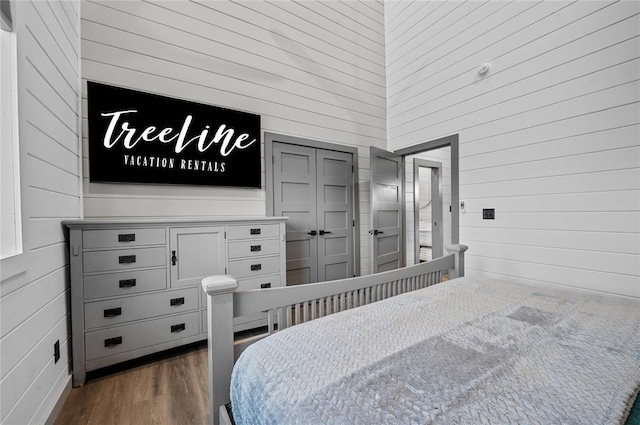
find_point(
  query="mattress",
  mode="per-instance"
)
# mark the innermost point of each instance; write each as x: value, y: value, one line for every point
x: 466, y: 351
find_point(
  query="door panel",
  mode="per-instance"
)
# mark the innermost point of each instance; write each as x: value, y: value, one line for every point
x: 386, y: 210
x: 335, y: 215
x: 294, y: 181
x: 187, y: 246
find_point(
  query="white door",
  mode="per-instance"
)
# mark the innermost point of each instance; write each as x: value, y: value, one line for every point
x: 386, y: 210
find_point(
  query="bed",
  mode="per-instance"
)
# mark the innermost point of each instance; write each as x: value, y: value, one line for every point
x: 467, y: 351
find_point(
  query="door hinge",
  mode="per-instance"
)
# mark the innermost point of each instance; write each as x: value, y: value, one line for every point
x: 225, y: 235
x: 225, y: 270
x: 354, y: 223
x: 273, y: 159
x: 353, y: 169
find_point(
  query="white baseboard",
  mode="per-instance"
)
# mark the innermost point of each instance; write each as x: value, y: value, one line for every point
x: 58, y: 406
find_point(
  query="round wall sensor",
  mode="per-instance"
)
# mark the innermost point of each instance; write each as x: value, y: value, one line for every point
x: 484, y: 69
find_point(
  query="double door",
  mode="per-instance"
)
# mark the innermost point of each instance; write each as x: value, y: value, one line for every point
x: 313, y: 187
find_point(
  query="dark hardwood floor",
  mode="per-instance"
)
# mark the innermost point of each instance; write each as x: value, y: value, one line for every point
x: 167, y: 388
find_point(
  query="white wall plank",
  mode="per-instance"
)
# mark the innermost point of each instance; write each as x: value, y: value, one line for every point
x: 24, y: 374
x: 593, y: 72
x: 310, y: 70
x: 43, y: 147
x: 31, y: 298
x: 23, y: 339
x: 569, y: 283
x: 606, y: 242
x: 627, y: 179
x: 241, y: 94
x: 549, y: 138
x: 620, y: 222
x: 236, y: 43
x: 57, y: 179
x: 46, y: 388
x: 579, y: 278
x: 67, y: 45
x: 45, y: 232
x: 34, y: 302
x: 446, y: 21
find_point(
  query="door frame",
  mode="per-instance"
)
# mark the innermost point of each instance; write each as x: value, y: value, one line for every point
x: 435, y: 213
x: 443, y: 142
x: 271, y: 138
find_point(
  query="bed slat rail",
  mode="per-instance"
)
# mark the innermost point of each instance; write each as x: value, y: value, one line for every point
x: 293, y: 305
x: 298, y: 313
x: 339, y: 295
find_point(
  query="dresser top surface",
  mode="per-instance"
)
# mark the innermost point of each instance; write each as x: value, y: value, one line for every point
x: 199, y: 221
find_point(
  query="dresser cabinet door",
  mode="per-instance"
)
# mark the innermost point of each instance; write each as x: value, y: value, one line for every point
x: 195, y: 253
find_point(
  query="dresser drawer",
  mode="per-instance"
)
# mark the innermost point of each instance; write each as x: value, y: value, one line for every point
x: 254, y: 267
x: 123, y: 259
x: 124, y: 338
x: 124, y: 283
x: 122, y: 238
x: 243, y: 249
x: 254, y: 231
x: 257, y: 282
x: 113, y: 312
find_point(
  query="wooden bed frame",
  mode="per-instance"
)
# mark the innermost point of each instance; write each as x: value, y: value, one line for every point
x: 292, y: 305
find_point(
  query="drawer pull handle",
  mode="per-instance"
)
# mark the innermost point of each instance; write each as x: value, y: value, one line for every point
x: 113, y: 312
x: 256, y: 248
x: 255, y: 267
x: 177, y: 301
x: 127, y: 237
x: 174, y: 259
x: 265, y: 285
x: 126, y: 259
x: 112, y: 342
x: 127, y: 283
x: 178, y: 328
x: 255, y: 231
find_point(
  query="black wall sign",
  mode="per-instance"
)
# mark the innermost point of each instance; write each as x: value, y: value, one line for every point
x: 137, y: 137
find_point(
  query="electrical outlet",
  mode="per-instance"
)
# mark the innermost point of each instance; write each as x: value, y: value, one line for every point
x: 463, y: 207
x: 488, y: 214
x: 56, y: 351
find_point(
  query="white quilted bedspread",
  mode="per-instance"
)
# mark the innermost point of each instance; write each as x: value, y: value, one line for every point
x: 469, y: 351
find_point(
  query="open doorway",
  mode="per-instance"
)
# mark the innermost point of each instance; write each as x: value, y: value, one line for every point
x: 390, y: 172
x: 427, y: 210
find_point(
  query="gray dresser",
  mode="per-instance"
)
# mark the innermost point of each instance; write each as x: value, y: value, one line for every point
x: 135, y: 285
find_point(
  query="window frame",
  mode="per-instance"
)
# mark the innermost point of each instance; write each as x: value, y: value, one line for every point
x: 10, y: 144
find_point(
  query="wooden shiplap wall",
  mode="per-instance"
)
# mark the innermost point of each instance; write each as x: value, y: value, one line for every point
x: 314, y: 70
x: 34, y: 292
x: 550, y: 138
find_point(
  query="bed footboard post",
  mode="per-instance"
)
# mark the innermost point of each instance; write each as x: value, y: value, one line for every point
x: 458, y: 251
x: 219, y: 291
